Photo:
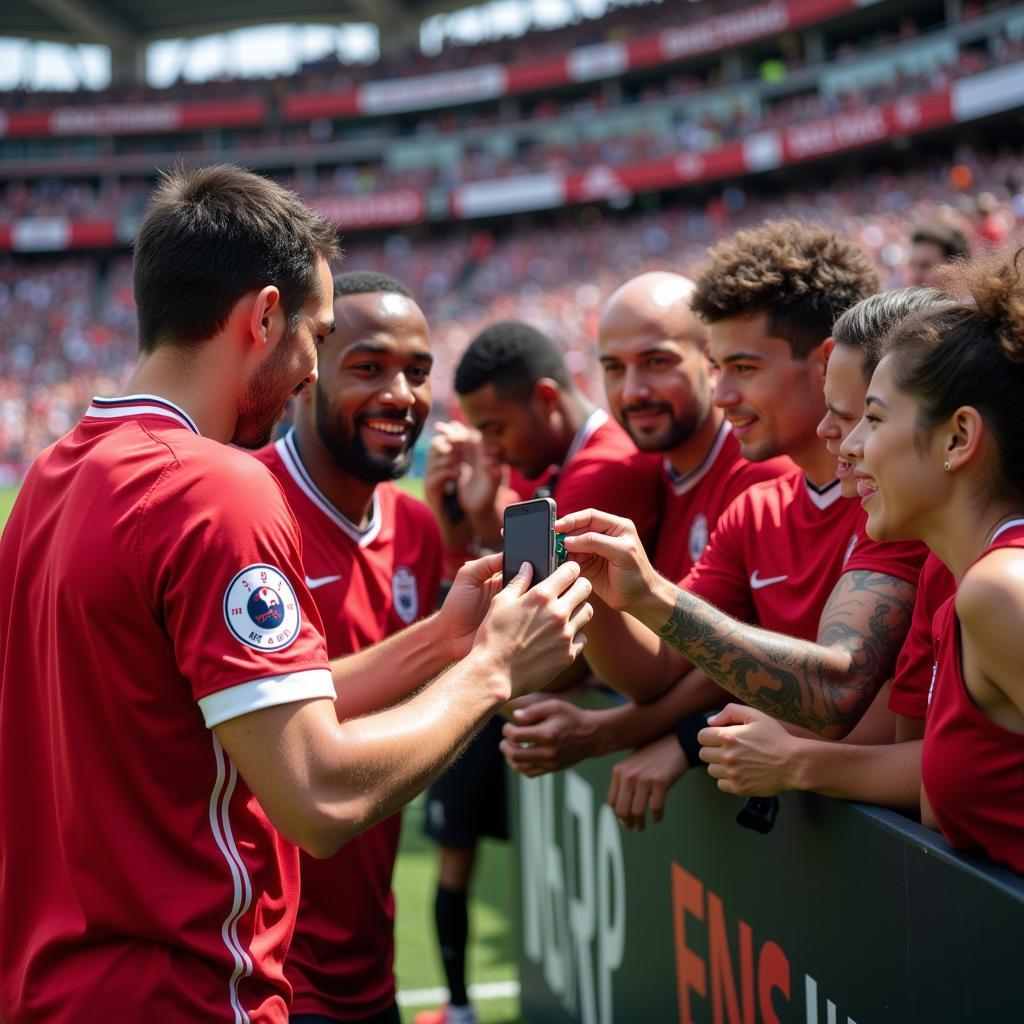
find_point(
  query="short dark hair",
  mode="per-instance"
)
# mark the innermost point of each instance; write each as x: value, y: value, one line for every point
x: 512, y: 356
x: 212, y: 234
x: 971, y: 353
x: 948, y: 237
x: 369, y: 282
x: 865, y: 326
x: 802, y: 276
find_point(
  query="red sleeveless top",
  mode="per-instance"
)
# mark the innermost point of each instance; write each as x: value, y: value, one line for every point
x: 972, y: 768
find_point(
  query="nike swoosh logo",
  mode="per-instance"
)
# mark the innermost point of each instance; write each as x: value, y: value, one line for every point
x: 320, y: 581
x: 756, y: 583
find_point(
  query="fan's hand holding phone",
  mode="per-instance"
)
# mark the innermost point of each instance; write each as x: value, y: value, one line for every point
x: 529, y: 537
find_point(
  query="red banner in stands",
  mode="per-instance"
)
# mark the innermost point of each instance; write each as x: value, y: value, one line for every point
x: 307, y: 106
x: 376, y: 210
x: 604, y: 182
x: 733, y: 29
x: 978, y: 96
x: 863, y: 127
x: 55, y: 234
x: 582, y: 64
x: 133, y: 118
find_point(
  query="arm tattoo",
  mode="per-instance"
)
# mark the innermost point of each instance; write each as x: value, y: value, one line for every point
x: 824, y: 686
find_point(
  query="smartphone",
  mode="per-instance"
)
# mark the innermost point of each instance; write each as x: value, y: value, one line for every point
x: 529, y: 537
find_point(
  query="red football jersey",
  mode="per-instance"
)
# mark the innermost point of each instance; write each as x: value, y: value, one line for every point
x: 780, y: 548
x: 368, y: 583
x: 523, y: 486
x: 913, y: 676
x: 604, y: 470
x: 154, y: 590
x: 972, y: 768
x: 693, y: 502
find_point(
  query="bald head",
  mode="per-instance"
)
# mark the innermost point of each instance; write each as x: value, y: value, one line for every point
x: 652, y: 349
x: 658, y: 302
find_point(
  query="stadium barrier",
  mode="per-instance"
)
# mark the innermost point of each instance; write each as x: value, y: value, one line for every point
x: 843, y: 913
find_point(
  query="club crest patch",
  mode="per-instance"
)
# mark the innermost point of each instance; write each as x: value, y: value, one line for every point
x: 406, y: 597
x: 260, y: 608
x: 698, y: 536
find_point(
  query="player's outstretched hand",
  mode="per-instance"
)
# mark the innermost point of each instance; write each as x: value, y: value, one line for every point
x: 466, y: 604
x: 549, y: 735
x: 609, y: 551
x: 537, y: 633
x: 748, y: 752
x: 641, y: 782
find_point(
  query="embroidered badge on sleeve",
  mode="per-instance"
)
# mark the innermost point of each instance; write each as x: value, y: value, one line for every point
x: 260, y: 608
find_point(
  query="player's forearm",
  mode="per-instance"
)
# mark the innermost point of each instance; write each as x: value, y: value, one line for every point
x: 628, y: 657
x: 387, y: 672
x: 382, y: 761
x: 800, y: 682
x: 887, y: 774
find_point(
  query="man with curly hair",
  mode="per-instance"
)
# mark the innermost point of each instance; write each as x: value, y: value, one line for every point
x: 789, y: 554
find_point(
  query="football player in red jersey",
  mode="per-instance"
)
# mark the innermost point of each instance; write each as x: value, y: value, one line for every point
x: 372, y: 558
x: 770, y: 328
x: 658, y: 383
x: 516, y: 392
x: 169, y: 723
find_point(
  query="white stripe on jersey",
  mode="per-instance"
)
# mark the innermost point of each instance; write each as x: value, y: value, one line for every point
x: 1002, y: 529
x: 823, y: 497
x: 143, y: 405
x: 598, y: 418
x: 220, y: 798
x: 683, y: 483
x: 289, y: 453
x: 243, y: 901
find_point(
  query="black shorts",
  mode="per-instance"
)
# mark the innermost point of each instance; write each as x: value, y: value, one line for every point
x: 388, y: 1016
x: 469, y: 800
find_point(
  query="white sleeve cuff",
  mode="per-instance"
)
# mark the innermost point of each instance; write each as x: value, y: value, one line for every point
x: 224, y: 705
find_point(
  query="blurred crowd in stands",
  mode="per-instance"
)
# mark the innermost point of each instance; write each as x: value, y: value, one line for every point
x: 69, y: 332
x: 329, y: 73
x: 620, y: 24
x: 628, y: 144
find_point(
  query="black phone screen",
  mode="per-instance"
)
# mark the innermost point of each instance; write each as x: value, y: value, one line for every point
x: 529, y: 537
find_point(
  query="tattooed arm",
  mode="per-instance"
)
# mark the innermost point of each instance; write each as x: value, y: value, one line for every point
x: 824, y: 686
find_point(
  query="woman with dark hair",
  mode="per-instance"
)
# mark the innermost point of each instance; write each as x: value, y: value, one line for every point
x: 940, y: 457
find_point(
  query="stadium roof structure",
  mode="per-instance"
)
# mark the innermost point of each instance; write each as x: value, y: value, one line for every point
x: 130, y: 24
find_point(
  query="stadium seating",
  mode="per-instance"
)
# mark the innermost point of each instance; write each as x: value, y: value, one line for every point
x: 603, y: 115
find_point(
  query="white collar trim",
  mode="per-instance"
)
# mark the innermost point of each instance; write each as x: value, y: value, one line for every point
x: 683, y: 483
x: 598, y: 418
x: 139, y: 405
x: 823, y: 497
x: 289, y: 453
x: 1002, y: 529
